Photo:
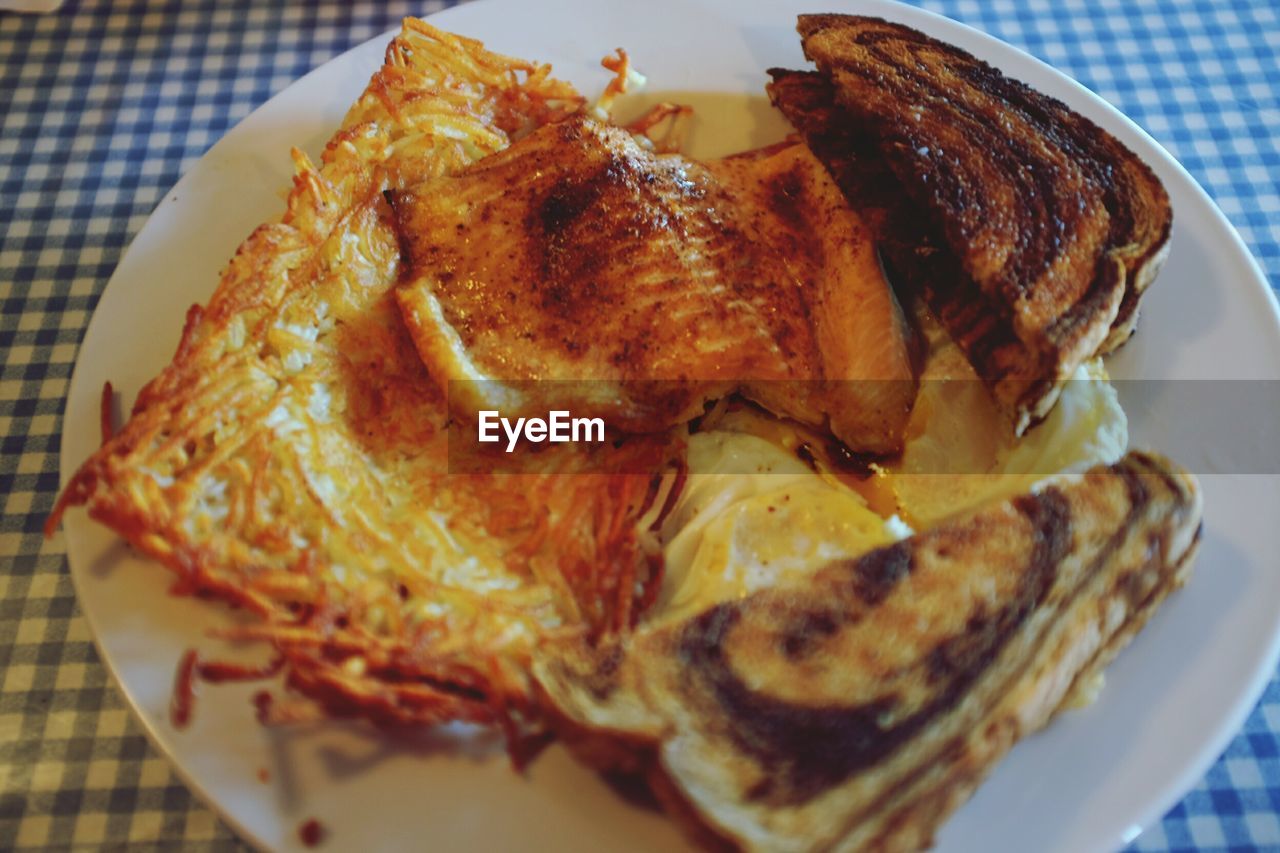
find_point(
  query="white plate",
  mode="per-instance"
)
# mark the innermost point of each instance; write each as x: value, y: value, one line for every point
x: 1089, y: 782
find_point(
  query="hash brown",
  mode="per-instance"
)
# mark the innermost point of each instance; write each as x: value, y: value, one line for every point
x: 291, y: 458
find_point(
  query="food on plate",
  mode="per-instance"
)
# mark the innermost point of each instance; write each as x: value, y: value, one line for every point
x: 292, y: 458
x: 960, y: 452
x: 649, y: 284
x: 840, y: 548
x: 751, y: 514
x: 859, y: 706
x: 1031, y: 232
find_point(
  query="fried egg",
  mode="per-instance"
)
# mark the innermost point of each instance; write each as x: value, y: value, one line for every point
x: 960, y: 452
x: 752, y: 514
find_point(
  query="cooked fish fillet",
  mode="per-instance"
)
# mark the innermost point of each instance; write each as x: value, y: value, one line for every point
x: 292, y: 457
x: 654, y: 283
x: 856, y: 709
x: 1040, y: 230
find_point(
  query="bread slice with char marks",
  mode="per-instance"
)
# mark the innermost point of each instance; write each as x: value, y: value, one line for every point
x: 1054, y: 227
x: 857, y: 708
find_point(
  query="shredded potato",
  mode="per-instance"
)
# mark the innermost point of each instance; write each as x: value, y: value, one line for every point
x: 665, y: 126
x: 292, y: 457
x: 624, y: 78
x: 662, y: 128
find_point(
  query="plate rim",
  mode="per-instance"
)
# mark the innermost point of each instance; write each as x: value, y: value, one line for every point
x: 1171, y: 791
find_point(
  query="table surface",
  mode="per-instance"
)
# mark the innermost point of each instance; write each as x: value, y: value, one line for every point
x: 103, y: 106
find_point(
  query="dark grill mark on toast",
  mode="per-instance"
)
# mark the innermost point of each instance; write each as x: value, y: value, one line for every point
x: 798, y: 636
x: 870, y: 580
x: 1138, y: 459
x: 1049, y: 221
x: 976, y: 648
x: 775, y: 683
x: 911, y: 242
x: 1039, y: 184
x: 873, y: 576
x: 806, y: 749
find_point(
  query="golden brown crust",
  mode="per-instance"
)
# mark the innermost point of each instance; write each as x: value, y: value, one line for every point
x: 292, y: 458
x: 645, y: 285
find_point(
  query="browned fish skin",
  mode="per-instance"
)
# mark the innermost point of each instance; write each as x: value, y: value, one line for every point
x: 1057, y: 226
x: 858, y: 708
x: 578, y: 255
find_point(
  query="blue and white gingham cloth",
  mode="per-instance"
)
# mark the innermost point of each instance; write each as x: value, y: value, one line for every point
x: 104, y: 105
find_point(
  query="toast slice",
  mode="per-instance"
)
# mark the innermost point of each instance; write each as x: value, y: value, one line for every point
x: 857, y: 708
x: 1039, y: 231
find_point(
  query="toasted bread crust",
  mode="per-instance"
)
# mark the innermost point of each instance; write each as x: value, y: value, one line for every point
x: 1054, y: 227
x: 787, y: 720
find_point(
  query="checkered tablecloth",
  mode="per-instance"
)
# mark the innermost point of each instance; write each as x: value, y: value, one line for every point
x: 103, y: 105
